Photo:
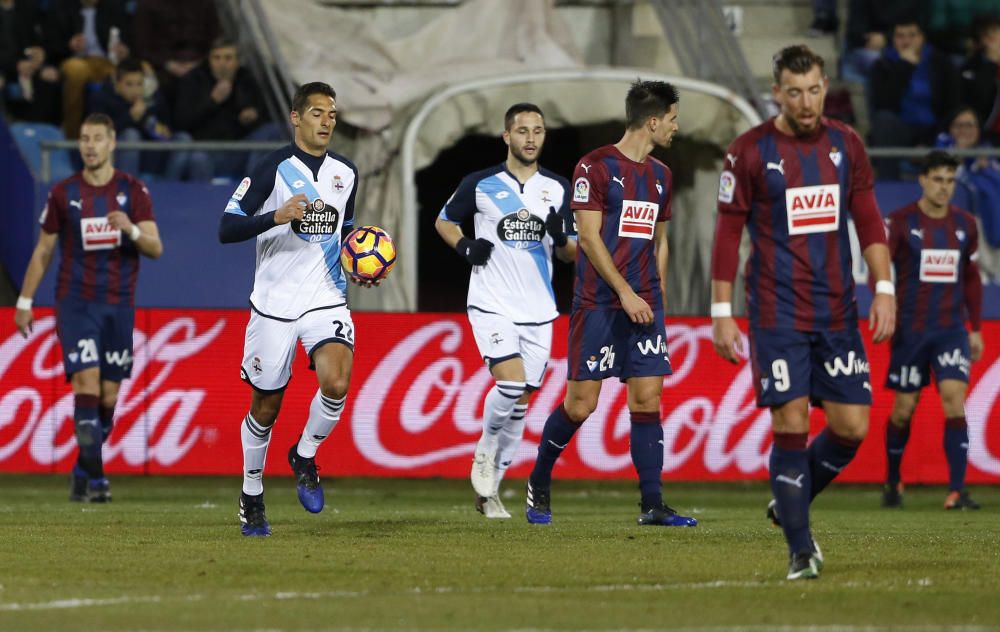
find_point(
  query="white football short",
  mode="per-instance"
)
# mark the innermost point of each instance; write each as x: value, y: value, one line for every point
x: 269, y: 348
x: 500, y: 339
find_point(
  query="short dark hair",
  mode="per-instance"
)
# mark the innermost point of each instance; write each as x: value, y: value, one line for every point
x: 306, y: 90
x: 128, y: 66
x: 938, y: 158
x: 982, y: 26
x: 646, y: 99
x: 99, y: 118
x: 907, y: 19
x: 223, y: 41
x: 959, y: 111
x: 519, y: 108
x: 798, y: 60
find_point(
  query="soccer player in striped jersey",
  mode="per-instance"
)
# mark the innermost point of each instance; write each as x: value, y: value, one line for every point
x: 297, y: 203
x: 793, y: 181
x: 621, y: 199
x: 103, y: 221
x: 934, y: 249
x: 521, y: 214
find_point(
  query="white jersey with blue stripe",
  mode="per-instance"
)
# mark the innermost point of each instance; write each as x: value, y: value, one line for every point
x: 517, y: 280
x: 298, y: 264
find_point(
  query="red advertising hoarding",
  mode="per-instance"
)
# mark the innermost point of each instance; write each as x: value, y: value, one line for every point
x: 415, y: 406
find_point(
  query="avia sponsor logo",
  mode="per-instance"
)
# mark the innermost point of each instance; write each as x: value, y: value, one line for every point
x: 98, y: 234
x: 521, y: 230
x: 939, y: 266
x: 319, y: 222
x: 637, y: 219
x: 814, y: 209
x: 652, y: 347
x: 853, y: 366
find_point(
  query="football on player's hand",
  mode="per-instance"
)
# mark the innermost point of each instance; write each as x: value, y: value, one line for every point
x: 368, y: 253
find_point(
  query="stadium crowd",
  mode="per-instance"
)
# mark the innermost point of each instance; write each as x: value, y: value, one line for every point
x: 137, y: 62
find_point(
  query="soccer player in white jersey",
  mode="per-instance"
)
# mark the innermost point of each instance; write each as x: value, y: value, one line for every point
x: 511, y: 302
x: 298, y: 202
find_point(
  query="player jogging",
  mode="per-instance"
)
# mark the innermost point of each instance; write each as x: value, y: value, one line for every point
x: 103, y: 220
x: 934, y: 250
x: 793, y: 181
x: 511, y: 302
x: 621, y: 199
x: 297, y: 203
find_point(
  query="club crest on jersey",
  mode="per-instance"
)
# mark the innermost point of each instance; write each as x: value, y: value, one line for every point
x: 659, y: 187
x: 256, y: 366
x: 338, y: 183
x: 98, y: 234
x: 545, y: 197
x: 581, y: 190
x: 960, y: 234
x: 836, y: 157
x: 320, y: 221
x: 814, y: 209
x: 939, y: 265
x: 121, y: 198
x: 727, y: 186
x: 592, y: 363
x: 521, y: 230
x: 637, y: 219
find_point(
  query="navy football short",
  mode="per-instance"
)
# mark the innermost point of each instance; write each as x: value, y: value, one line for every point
x: 96, y: 334
x: 916, y: 354
x: 824, y: 366
x: 604, y: 343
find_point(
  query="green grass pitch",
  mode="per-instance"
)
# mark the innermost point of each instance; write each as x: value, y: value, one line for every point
x: 167, y: 554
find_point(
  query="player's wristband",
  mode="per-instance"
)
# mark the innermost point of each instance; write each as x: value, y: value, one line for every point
x: 885, y: 287
x: 721, y: 310
x: 23, y: 302
x: 134, y: 233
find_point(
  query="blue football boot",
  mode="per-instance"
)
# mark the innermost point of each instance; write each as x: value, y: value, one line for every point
x: 99, y: 490
x: 664, y: 516
x: 306, y: 480
x: 537, y: 510
x: 78, y: 485
x: 253, y: 522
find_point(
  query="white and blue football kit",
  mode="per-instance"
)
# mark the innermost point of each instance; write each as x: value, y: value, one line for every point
x: 511, y: 302
x: 300, y: 290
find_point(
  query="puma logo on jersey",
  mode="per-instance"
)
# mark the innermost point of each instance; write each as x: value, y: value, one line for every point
x: 620, y: 181
x: 918, y: 233
x: 777, y: 166
x: 732, y: 160
x: 77, y: 203
x: 585, y: 167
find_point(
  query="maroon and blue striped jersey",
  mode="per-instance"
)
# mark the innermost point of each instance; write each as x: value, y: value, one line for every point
x: 631, y: 197
x: 97, y: 263
x: 795, y: 195
x: 935, y: 263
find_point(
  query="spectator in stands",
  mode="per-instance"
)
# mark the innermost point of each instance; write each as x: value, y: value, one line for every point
x: 981, y: 175
x: 139, y: 116
x: 29, y: 86
x: 824, y: 18
x: 869, y: 23
x: 87, y: 38
x: 913, y: 90
x: 219, y: 100
x: 175, y: 36
x: 952, y: 27
x: 981, y: 76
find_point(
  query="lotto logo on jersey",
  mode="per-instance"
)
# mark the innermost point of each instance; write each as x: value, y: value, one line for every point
x: 98, y: 234
x: 814, y: 209
x: 939, y: 266
x: 637, y: 219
